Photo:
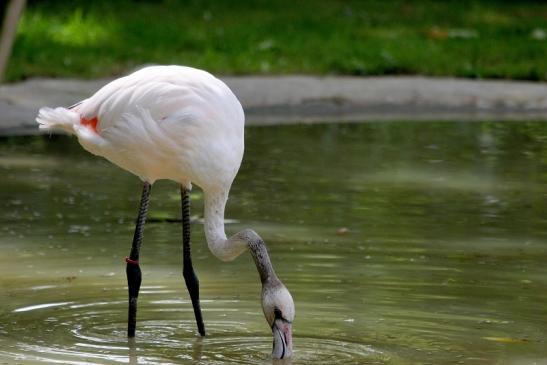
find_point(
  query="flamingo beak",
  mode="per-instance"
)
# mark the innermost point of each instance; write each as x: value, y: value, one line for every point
x: 282, y: 334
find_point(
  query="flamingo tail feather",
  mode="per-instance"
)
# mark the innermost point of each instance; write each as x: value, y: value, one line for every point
x: 58, y: 119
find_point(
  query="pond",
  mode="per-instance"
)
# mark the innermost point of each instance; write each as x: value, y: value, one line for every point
x: 402, y: 243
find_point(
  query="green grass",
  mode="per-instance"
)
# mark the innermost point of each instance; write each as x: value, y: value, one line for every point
x: 480, y: 39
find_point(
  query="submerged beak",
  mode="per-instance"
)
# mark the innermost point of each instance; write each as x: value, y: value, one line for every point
x: 282, y: 343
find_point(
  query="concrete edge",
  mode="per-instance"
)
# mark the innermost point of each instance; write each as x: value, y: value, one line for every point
x: 269, y: 100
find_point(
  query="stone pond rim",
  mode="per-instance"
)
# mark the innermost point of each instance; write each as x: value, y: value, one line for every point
x: 270, y: 100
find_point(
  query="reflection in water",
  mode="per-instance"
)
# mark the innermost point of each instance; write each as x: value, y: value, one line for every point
x: 287, y: 361
x: 131, y: 343
x: 402, y: 243
x: 197, y: 349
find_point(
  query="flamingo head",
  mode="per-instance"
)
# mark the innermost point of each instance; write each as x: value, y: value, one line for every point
x: 278, y: 308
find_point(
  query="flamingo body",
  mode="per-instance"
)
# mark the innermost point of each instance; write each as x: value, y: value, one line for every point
x: 161, y: 122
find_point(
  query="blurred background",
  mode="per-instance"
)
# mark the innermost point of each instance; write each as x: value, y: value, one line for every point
x: 398, y: 173
x: 476, y: 39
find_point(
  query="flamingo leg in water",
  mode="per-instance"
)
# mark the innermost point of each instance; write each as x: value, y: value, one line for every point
x: 190, y: 277
x: 133, y: 269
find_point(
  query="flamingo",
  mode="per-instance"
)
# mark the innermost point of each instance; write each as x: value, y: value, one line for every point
x: 182, y: 124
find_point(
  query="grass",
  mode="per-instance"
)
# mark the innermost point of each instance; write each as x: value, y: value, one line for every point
x: 478, y: 39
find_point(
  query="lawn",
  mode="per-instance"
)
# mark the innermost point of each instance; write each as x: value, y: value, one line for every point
x: 478, y: 39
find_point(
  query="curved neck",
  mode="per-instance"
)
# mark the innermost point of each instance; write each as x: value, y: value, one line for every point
x: 260, y: 256
x: 228, y: 249
x: 214, y: 204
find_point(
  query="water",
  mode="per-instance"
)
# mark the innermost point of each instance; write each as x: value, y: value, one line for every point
x: 402, y: 243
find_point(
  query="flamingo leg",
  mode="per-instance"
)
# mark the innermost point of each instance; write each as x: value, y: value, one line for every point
x: 133, y: 269
x: 190, y: 277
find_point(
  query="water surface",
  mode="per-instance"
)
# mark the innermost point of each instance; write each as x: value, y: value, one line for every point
x: 402, y: 243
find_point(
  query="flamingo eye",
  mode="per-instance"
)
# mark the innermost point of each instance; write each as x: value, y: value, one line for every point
x: 277, y: 313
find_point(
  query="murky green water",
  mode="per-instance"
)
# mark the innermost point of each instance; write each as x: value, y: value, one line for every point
x: 402, y: 243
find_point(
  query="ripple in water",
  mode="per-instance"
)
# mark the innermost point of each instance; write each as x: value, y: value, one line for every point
x: 94, y: 333
x: 256, y: 350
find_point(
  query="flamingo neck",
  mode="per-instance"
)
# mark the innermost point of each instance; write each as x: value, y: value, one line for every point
x: 228, y: 249
x: 260, y: 256
x: 220, y: 246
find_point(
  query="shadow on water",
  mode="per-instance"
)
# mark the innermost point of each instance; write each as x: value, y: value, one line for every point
x: 402, y: 243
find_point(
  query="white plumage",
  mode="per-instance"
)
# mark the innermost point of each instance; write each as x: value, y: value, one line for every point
x: 161, y: 122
